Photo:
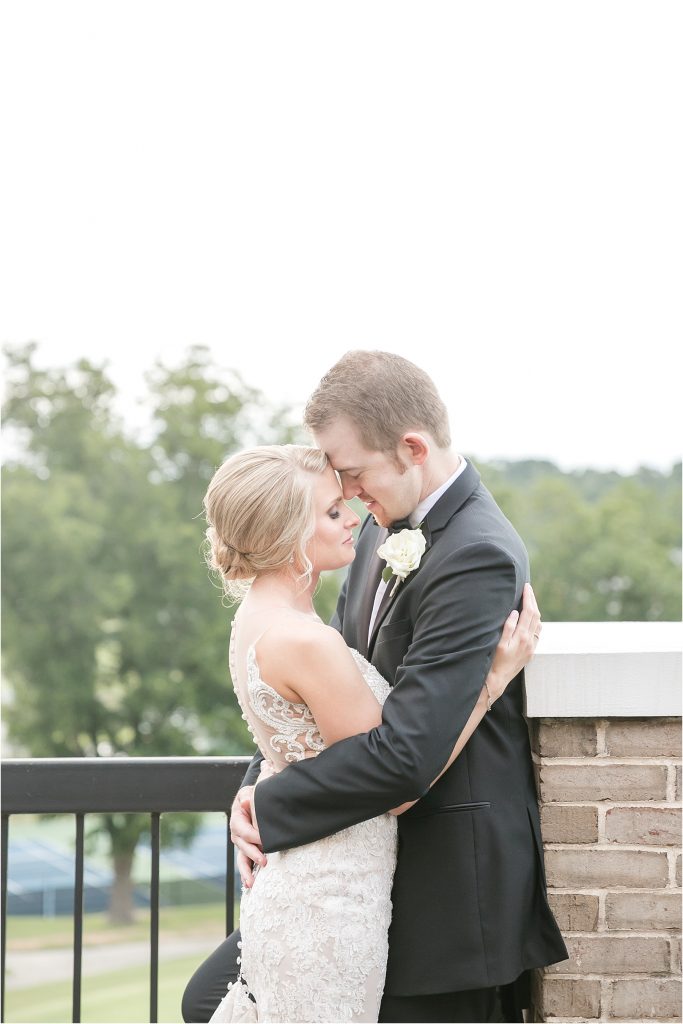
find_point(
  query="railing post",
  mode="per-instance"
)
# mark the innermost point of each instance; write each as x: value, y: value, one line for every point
x: 154, y: 921
x: 5, y: 834
x: 229, y: 883
x: 78, y: 920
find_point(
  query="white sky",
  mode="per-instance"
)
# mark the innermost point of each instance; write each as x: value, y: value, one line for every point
x: 491, y: 189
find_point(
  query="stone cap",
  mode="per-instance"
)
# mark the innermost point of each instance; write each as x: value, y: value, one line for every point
x: 606, y: 669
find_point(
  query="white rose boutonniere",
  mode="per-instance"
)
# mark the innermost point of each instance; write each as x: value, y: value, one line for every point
x: 403, y: 553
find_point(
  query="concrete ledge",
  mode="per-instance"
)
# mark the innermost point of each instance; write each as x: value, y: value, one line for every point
x: 606, y: 669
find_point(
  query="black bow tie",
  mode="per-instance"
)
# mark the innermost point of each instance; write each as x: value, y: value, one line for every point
x: 400, y: 524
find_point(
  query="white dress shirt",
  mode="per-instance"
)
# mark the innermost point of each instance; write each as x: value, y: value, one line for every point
x: 415, y: 519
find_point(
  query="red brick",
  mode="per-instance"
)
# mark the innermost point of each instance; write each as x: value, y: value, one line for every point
x: 645, y: 999
x: 602, y: 782
x: 574, y: 911
x: 570, y: 997
x: 588, y: 869
x: 614, y: 954
x: 643, y: 911
x: 650, y: 737
x: 643, y: 826
x: 561, y: 823
x: 567, y: 737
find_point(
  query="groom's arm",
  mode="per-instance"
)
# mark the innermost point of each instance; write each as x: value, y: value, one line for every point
x: 253, y: 770
x: 337, y: 620
x: 462, y: 609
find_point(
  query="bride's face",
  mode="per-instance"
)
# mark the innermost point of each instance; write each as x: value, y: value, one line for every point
x: 331, y: 546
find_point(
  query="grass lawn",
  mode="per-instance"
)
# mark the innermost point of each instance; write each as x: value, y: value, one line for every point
x: 121, y: 997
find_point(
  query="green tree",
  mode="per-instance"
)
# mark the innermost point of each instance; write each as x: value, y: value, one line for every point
x: 603, y: 547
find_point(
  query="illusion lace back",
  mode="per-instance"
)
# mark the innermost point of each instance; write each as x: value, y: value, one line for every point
x: 315, y: 923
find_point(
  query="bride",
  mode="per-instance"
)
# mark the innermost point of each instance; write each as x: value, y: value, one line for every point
x: 314, y: 923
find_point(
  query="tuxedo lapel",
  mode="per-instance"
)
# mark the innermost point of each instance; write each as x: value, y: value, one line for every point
x: 451, y: 501
x: 436, y: 519
x: 372, y: 578
x: 385, y: 604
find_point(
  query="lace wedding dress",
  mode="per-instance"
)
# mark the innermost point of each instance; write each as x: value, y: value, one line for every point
x: 315, y: 923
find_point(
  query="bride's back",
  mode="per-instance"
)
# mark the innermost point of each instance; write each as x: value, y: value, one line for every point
x: 282, y: 725
x: 298, y: 684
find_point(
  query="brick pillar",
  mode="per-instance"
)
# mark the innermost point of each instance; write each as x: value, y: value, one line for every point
x: 610, y: 792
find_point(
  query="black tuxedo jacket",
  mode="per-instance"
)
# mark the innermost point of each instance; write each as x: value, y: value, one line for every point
x: 469, y: 900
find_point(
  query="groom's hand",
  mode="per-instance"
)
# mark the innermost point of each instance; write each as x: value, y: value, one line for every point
x: 245, y: 836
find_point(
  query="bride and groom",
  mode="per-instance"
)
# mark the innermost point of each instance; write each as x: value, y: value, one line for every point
x: 388, y: 828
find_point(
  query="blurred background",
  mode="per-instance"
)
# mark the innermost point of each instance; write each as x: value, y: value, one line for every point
x: 203, y: 207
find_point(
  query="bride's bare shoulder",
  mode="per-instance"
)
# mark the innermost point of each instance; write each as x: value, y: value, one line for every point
x: 311, y: 662
x: 292, y: 642
x: 299, y: 633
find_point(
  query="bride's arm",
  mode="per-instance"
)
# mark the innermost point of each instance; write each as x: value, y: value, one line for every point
x: 515, y: 649
x: 310, y: 663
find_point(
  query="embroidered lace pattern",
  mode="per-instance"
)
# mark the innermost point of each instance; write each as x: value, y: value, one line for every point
x: 315, y: 923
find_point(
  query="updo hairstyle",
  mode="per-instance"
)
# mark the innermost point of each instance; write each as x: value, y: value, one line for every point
x: 259, y: 507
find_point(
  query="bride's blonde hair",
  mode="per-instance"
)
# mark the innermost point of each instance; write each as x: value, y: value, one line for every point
x: 259, y: 507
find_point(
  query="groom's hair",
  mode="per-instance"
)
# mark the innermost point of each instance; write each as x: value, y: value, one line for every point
x: 384, y: 395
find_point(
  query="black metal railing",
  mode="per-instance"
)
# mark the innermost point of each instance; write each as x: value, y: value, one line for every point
x: 150, y: 785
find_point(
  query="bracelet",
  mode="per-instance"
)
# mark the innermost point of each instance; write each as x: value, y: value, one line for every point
x: 489, y: 702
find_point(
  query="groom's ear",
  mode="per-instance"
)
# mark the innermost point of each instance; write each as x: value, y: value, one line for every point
x: 416, y: 447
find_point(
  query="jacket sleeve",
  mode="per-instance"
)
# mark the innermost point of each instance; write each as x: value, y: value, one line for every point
x: 337, y: 620
x: 253, y: 770
x: 458, y: 623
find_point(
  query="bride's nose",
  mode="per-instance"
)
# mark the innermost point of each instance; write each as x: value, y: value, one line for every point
x: 352, y: 519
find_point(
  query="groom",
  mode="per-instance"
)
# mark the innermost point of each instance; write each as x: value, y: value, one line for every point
x: 470, y: 913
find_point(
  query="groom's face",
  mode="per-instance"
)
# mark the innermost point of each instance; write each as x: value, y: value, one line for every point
x: 389, y: 488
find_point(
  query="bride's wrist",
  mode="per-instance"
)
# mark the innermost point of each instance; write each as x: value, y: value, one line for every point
x: 495, y: 685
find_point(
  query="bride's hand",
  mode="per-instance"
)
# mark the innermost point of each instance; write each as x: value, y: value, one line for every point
x: 245, y: 835
x: 517, y: 644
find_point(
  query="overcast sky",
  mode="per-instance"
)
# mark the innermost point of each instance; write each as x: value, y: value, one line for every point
x: 491, y: 189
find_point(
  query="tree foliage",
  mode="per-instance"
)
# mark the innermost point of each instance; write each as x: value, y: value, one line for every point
x: 603, y: 547
x: 115, y: 641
